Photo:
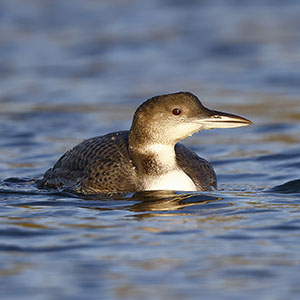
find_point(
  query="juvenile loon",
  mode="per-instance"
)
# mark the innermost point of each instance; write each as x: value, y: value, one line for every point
x: 148, y: 156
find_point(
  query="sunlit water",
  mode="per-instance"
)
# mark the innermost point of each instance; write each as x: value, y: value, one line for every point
x: 76, y: 69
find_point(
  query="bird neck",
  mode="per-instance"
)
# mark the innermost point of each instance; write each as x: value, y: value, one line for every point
x: 152, y: 151
x: 153, y: 159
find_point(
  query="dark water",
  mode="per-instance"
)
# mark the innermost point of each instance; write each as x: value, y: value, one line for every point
x: 76, y: 69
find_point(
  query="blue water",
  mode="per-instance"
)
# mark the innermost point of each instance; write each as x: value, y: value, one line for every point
x: 73, y: 69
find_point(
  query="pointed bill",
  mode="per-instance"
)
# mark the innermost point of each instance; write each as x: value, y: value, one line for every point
x: 223, y: 120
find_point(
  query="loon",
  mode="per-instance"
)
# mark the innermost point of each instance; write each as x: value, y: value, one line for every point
x: 147, y: 157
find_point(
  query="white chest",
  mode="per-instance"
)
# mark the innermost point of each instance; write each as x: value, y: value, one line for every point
x: 175, y: 180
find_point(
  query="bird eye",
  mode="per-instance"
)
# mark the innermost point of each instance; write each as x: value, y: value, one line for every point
x: 176, y: 111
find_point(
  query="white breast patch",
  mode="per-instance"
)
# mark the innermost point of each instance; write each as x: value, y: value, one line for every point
x: 175, y: 180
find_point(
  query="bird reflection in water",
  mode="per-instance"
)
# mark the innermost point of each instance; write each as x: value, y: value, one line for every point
x: 162, y: 201
x: 151, y: 203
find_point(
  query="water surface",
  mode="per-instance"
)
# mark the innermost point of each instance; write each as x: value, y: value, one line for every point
x: 76, y: 69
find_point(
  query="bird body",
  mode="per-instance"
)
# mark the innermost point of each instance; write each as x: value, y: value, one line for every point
x: 148, y: 156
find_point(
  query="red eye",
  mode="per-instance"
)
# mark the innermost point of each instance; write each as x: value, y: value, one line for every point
x: 176, y: 111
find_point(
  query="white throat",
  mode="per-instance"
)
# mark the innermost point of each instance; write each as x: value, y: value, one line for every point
x: 173, y: 178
